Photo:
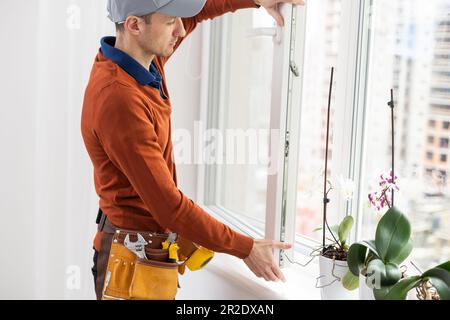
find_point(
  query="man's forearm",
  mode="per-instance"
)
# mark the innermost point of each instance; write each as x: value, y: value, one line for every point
x: 215, y: 8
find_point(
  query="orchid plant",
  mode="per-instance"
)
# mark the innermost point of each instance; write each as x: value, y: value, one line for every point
x: 379, y: 260
x: 338, y: 249
x: 338, y: 234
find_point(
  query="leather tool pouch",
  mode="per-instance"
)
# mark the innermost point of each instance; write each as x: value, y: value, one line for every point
x: 130, y: 277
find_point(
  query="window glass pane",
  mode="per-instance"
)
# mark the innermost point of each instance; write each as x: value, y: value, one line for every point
x: 321, y: 53
x: 409, y: 53
x: 246, y: 117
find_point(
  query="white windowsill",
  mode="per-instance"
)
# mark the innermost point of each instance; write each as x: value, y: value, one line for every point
x: 300, y: 281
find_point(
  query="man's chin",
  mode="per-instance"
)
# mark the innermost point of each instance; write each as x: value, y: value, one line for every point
x: 168, y: 53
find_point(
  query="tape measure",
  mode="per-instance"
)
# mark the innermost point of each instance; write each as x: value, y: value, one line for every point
x: 199, y: 258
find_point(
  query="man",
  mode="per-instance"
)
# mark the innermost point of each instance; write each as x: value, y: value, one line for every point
x: 126, y: 128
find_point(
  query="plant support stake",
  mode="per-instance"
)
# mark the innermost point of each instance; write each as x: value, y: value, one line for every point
x: 325, y: 193
x: 391, y: 104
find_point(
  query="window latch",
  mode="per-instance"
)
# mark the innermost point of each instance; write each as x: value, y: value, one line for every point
x: 286, y: 145
x: 294, y: 68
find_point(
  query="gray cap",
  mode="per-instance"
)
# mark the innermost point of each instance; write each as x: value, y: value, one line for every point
x: 119, y: 10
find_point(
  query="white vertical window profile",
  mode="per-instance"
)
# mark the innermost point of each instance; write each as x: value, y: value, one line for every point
x: 246, y: 104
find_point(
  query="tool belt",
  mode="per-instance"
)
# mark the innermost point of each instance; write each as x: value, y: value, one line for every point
x: 144, y: 265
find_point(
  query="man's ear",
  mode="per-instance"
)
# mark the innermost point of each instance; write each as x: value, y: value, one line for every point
x: 132, y: 25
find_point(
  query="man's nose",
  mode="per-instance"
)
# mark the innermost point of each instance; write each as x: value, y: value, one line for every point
x: 180, y: 31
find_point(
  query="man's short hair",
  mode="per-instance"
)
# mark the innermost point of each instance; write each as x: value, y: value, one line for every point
x: 147, y: 18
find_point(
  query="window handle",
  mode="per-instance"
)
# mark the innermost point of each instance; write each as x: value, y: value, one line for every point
x: 274, y: 32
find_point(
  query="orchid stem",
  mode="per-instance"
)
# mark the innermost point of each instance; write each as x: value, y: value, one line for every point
x: 325, y: 194
x: 391, y: 104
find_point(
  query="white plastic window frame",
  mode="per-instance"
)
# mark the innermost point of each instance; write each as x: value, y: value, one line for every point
x: 286, y: 115
x: 348, y: 119
x: 213, y: 101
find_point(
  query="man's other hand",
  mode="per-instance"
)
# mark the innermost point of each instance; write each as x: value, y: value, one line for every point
x: 261, y: 260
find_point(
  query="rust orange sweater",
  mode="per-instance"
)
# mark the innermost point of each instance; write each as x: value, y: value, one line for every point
x: 126, y: 128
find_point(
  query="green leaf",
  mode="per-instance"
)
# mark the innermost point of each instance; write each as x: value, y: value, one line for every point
x: 439, y: 272
x: 375, y: 271
x: 392, y: 235
x: 399, y: 290
x: 380, y: 294
x: 335, y: 229
x: 350, y: 281
x: 404, y: 253
x: 358, y: 254
x: 380, y: 274
x: 442, y: 288
x: 445, y: 266
x: 344, y: 228
x: 371, y: 245
x: 393, y: 274
x: 440, y: 279
x: 356, y: 258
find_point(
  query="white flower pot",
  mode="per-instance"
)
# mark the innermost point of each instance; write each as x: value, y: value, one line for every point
x: 365, y: 293
x: 331, y: 288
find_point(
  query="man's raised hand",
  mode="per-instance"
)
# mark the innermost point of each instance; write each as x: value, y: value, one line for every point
x: 272, y: 8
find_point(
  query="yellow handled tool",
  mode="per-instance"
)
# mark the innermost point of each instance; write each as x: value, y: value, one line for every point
x: 173, y: 252
x: 172, y: 246
x: 165, y: 245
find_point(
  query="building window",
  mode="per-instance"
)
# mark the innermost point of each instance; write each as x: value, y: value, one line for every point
x: 430, y: 155
x: 444, y: 143
x: 446, y: 125
x: 443, y: 158
x: 430, y: 139
x: 431, y: 123
x: 443, y: 177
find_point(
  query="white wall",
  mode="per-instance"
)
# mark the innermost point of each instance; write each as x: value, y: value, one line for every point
x: 47, y: 200
x: 183, y: 72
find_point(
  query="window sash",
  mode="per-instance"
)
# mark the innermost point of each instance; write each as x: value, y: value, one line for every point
x: 286, y: 115
x: 349, y: 94
x: 359, y: 115
x: 217, y: 38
